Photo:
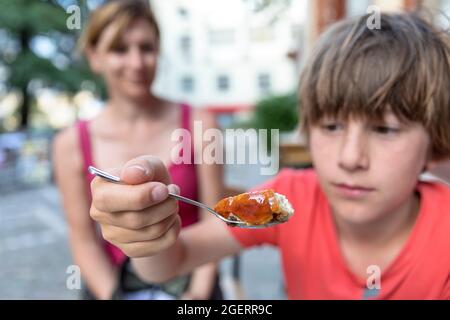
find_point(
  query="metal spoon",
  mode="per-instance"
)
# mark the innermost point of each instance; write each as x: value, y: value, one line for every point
x: 230, y: 222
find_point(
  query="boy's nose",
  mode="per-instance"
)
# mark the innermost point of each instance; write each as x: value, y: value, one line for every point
x: 354, y: 151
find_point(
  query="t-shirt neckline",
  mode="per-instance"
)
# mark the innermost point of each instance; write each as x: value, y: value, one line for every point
x: 397, y: 261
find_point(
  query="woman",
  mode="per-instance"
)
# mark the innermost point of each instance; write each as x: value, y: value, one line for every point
x: 121, y: 44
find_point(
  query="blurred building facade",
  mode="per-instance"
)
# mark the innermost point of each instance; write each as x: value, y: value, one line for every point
x: 223, y: 54
x: 322, y: 13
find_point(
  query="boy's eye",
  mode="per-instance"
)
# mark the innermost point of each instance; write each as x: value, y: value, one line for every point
x: 385, y: 130
x: 331, y: 127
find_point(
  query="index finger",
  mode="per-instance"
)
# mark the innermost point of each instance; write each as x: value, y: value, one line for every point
x: 113, y: 197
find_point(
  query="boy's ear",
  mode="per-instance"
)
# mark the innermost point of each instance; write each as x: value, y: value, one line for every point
x: 430, y: 165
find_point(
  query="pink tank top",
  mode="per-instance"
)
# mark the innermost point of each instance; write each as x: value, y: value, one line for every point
x: 183, y: 175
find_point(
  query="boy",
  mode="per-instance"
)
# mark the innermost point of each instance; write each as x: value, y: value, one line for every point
x: 376, y: 111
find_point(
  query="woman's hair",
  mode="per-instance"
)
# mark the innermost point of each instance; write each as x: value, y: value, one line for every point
x: 402, y: 67
x: 121, y: 13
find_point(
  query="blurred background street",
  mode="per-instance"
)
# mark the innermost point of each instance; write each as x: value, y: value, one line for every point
x: 34, y: 251
x: 35, y: 255
x: 238, y: 59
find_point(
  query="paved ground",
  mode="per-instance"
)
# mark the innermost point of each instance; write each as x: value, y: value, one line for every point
x: 34, y: 253
x: 33, y: 247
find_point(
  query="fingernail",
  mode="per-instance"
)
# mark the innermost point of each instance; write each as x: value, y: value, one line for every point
x: 140, y: 168
x: 174, y: 188
x: 159, y: 193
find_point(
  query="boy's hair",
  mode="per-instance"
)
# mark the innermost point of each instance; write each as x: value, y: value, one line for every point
x: 403, y: 67
x: 121, y: 13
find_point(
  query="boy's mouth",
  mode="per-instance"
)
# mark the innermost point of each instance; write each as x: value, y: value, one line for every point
x: 352, y: 191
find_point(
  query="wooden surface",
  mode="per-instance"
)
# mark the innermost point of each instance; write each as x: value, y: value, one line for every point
x: 294, y: 155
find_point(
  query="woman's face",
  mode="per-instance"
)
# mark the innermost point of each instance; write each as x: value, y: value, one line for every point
x: 128, y: 68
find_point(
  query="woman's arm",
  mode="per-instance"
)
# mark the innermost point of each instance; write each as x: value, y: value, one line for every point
x: 86, y: 246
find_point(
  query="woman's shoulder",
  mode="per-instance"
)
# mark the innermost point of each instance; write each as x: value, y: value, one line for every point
x: 66, y: 147
x: 66, y: 139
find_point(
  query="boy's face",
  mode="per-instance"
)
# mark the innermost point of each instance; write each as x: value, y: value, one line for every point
x: 368, y: 170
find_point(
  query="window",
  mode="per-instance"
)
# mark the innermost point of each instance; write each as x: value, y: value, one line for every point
x: 261, y: 34
x: 185, y: 44
x: 264, y: 82
x: 187, y: 84
x: 223, y: 83
x: 183, y: 12
x: 221, y: 37
x: 297, y: 32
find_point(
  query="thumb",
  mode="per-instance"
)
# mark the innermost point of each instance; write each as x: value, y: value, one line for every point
x: 144, y: 169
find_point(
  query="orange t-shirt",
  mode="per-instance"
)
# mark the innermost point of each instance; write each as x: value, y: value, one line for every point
x: 312, y: 262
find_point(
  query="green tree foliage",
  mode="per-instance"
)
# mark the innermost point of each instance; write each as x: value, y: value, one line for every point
x: 277, y: 112
x: 23, y: 24
x: 274, y: 8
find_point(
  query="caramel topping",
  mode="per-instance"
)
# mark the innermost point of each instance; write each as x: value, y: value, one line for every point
x: 254, y: 208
